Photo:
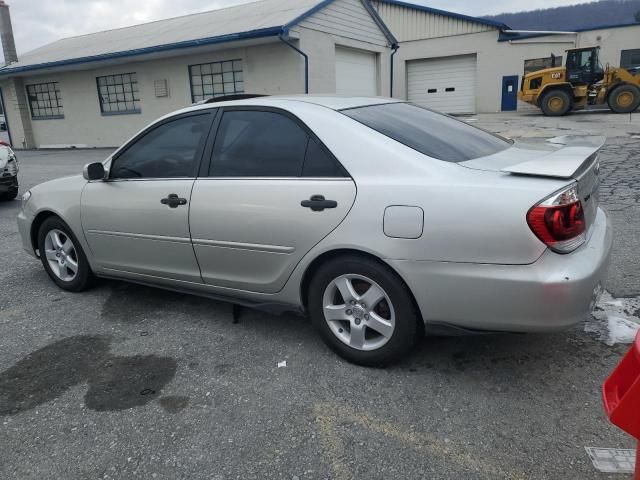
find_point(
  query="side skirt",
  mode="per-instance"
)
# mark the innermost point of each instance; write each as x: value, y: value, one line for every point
x: 274, y: 308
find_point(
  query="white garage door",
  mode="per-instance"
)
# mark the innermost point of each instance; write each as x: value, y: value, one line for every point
x: 446, y: 84
x: 355, y: 72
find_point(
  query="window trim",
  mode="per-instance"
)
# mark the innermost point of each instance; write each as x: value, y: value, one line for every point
x: 205, y: 165
x: 211, y: 113
x: 119, y: 112
x: 213, y: 95
x: 57, y: 116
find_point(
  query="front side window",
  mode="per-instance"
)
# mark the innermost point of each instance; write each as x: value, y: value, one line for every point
x: 268, y: 144
x: 45, y: 100
x: 434, y: 134
x: 580, y: 59
x: 118, y: 94
x: 170, y: 150
x: 215, y: 79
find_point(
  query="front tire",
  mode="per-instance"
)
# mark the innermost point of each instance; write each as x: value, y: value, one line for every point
x: 624, y: 99
x: 556, y: 103
x: 363, y: 311
x: 62, y: 256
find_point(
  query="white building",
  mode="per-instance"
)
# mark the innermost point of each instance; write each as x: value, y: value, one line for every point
x: 462, y: 64
x: 99, y: 89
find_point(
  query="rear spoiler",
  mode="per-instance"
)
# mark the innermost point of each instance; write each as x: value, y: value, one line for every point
x: 574, y: 151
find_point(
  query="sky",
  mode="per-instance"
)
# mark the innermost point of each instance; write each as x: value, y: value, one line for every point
x: 38, y: 22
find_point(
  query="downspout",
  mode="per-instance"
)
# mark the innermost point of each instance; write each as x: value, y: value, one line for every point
x: 395, y: 48
x: 305, y: 56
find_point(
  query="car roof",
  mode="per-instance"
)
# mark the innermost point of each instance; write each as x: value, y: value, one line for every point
x: 334, y: 102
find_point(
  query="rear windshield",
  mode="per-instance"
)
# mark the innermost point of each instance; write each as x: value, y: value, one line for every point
x: 433, y: 134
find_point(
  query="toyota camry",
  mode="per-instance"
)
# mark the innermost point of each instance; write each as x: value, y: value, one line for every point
x: 379, y: 219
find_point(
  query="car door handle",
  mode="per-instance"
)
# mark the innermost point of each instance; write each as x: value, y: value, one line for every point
x: 173, y: 201
x: 317, y: 203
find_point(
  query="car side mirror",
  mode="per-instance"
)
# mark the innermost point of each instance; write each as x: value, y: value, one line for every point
x: 93, y: 171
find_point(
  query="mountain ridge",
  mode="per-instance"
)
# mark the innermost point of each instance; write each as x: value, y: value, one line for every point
x: 574, y: 17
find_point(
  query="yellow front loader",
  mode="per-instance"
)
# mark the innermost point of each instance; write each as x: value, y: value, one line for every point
x: 581, y: 82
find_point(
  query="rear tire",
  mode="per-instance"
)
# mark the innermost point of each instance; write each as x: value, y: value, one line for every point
x: 624, y: 99
x: 556, y: 103
x: 62, y: 256
x: 375, y: 322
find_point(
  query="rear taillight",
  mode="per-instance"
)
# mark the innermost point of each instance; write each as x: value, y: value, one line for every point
x: 559, y: 220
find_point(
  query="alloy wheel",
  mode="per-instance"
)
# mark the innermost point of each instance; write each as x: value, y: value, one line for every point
x: 359, y: 312
x: 61, y: 255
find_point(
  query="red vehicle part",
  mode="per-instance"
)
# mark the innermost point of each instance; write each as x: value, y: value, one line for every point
x: 621, y: 395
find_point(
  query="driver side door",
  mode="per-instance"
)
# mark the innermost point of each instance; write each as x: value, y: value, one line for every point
x: 137, y: 220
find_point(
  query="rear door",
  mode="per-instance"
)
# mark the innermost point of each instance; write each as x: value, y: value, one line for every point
x: 269, y: 194
x: 137, y: 221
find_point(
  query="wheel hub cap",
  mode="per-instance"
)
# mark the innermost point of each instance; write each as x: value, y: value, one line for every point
x: 555, y: 103
x: 359, y: 311
x: 625, y: 99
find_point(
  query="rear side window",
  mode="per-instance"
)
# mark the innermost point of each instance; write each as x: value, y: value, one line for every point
x: 252, y: 143
x: 318, y: 163
x: 433, y: 134
x: 258, y: 144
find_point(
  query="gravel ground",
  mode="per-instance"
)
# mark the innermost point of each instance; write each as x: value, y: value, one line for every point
x: 128, y: 382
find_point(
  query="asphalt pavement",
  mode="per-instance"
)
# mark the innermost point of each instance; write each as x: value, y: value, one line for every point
x: 126, y: 382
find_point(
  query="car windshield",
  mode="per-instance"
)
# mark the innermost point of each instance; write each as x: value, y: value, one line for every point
x: 434, y: 134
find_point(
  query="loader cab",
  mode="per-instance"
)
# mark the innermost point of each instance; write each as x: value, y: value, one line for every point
x: 583, y: 67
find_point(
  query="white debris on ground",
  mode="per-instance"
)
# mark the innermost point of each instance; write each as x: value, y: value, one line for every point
x: 612, y: 460
x: 615, y: 320
x: 282, y: 364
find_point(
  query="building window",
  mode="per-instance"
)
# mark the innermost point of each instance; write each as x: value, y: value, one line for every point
x: 216, y: 79
x: 118, y: 94
x: 45, y: 100
x: 535, y: 64
x: 630, y: 59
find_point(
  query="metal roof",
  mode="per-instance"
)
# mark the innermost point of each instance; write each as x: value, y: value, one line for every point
x: 258, y: 19
x: 506, y: 36
x: 446, y: 13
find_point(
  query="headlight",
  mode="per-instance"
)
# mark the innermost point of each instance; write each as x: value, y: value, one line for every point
x: 25, y: 198
x: 12, y: 166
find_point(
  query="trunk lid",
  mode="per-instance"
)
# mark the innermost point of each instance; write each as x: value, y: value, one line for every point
x: 567, y: 157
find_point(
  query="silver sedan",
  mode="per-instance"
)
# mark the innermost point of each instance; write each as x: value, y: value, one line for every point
x: 378, y: 218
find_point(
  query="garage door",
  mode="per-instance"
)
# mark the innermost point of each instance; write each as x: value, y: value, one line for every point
x: 355, y: 72
x: 446, y: 84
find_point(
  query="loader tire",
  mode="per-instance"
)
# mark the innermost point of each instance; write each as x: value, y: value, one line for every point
x: 556, y: 103
x: 624, y: 99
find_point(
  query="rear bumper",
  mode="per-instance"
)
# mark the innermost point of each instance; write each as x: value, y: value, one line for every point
x: 553, y: 293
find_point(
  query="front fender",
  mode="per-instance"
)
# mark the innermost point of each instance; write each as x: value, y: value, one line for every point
x: 60, y: 197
